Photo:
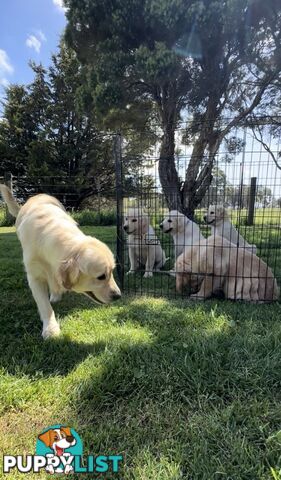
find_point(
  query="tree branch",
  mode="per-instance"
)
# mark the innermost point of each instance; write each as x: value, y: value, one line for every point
x: 265, y: 146
x: 255, y: 102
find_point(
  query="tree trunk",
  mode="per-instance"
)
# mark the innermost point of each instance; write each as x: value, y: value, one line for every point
x: 167, y: 170
x: 198, y: 176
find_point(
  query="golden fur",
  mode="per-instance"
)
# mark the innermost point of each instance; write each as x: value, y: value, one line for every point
x: 144, y: 247
x: 58, y: 257
x: 217, y: 218
x: 217, y: 265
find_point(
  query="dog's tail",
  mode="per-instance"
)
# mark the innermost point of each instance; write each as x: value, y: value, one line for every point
x: 8, y: 198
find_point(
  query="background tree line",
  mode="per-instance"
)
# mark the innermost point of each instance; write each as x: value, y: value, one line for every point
x: 52, y: 140
x: 143, y: 67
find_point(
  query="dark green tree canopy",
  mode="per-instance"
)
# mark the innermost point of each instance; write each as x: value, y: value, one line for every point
x: 198, y: 59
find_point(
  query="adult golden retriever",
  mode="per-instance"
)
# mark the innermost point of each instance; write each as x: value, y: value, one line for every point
x: 217, y: 265
x: 58, y: 257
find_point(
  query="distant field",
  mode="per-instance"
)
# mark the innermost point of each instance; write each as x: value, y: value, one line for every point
x: 263, y: 216
x: 265, y: 234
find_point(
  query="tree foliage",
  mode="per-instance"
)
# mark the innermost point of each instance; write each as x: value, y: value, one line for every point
x: 209, y: 61
x: 49, y: 137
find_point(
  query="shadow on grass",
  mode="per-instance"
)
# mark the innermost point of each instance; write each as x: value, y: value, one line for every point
x: 197, y: 399
x: 194, y: 396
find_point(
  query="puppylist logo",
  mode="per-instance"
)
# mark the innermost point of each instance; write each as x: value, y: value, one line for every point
x: 59, y: 449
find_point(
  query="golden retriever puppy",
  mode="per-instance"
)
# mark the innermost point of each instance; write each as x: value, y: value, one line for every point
x: 58, y: 257
x: 144, y: 247
x: 188, y: 278
x: 183, y: 230
x: 217, y: 265
x: 218, y: 219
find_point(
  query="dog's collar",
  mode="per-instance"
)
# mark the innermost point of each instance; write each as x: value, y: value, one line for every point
x: 147, y: 238
x: 138, y: 236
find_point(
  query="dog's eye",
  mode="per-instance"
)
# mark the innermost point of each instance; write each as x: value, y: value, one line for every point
x: 134, y: 220
x: 102, y: 277
x: 56, y: 438
x: 170, y: 221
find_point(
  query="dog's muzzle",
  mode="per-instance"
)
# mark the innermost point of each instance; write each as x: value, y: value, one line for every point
x: 92, y: 296
x: 209, y: 222
x: 115, y: 296
x: 168, y: 231
x: 126, y: 230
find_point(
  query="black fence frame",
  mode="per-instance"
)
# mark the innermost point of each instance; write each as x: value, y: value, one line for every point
x: 268, y: 250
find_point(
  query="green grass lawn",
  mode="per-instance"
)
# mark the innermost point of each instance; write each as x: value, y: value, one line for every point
x: 182, y: 390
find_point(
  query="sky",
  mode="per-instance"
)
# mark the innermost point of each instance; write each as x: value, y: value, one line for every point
x: 29, y: 30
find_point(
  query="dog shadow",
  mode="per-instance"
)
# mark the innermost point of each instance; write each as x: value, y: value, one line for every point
x: 191, y: 359
x: 184, y: 369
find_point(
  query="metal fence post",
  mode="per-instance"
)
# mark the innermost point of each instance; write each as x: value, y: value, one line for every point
x: 117, y: 153
x: 252, y: 196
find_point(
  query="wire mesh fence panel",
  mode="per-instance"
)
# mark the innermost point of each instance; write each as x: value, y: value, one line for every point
x: 171, y: 249
x: 160, y: 214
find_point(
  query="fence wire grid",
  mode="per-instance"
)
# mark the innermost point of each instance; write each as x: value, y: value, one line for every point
x: 163, y: 250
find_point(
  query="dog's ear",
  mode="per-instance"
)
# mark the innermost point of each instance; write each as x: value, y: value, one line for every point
x: 144, y: 223
x: 221, y: 212
x: 225, y: 213
x: 45, y: 438
x: 66, y: 430
x: 69, y: 273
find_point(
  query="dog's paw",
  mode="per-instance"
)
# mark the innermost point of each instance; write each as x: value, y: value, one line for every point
x: 130, y: 272
x: 52, y: 330
x: 148, y: 275
x: 55, y: 297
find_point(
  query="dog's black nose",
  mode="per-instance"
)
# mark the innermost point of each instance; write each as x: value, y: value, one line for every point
x: 125, y: 228
x: 161, y: 225
x: 69, y: 439
x: 115, y: 296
